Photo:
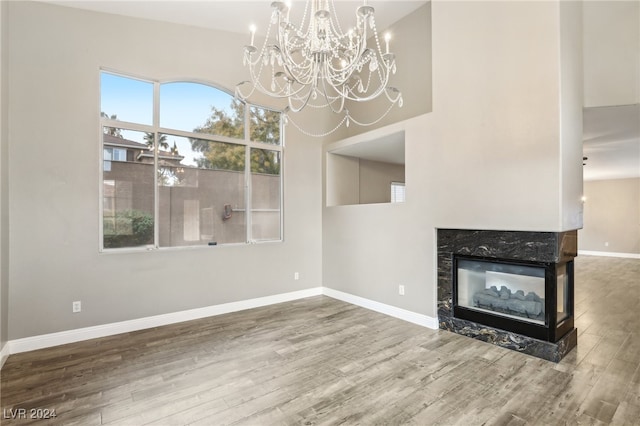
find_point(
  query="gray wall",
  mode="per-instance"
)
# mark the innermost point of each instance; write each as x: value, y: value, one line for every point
x: 352, y: 180
x: 611, y: 216
x: 411, y: 43
x: 55, y: 55
x: 571, y: 103
x: 342, y: 180
x: 497, y: 152
x: 611, y: 78
x: 4, y: 181
x: 507, y: 157
x: 370, y: 249
x: 612, y: 53
x: 375, y: 180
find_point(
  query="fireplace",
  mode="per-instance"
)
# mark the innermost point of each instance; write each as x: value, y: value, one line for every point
x: 529, y: 298
x: 510, y: 288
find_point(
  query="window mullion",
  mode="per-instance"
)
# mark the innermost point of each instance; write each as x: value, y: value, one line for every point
x: 203, y: 136
x: 282, y: 163
x: 248, y: 187
x: 247, y: 176
x: 126, y: 125
x: 156, y: 187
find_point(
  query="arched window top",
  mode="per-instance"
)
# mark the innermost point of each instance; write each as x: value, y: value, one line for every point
x: 187, y: 106
x: 201, y: 108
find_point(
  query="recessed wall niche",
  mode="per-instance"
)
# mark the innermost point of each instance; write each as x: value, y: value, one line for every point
x: 366, y: 172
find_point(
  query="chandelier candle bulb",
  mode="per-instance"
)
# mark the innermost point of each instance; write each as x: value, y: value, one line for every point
x: 387, y: 37
x: 252, y: 30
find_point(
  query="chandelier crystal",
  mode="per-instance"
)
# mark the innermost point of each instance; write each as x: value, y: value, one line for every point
x: 318, y: 65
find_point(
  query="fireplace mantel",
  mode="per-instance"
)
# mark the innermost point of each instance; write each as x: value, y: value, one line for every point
x: 548, y: 248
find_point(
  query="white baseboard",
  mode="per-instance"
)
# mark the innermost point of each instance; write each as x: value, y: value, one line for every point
x: 4, y: 354
x: 608, y: 254
x: 54, y: 339
x: 403, y: 314
x: 71, y: 336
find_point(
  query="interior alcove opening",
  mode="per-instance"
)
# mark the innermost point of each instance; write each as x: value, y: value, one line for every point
x: 367, y: 172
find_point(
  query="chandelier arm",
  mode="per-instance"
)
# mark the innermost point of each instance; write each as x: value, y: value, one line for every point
x: 253, y: 63
x: 277, y: 95
x: 361, y: 46
x: 296, y: 96
x: 290, y: 66
x: 289, y: 70
x: 257, y: 84
x: 339, y: 75
x: 326, y: 96
x: 304, y: 104
x: 239, y: 93
x: 364, y: 37
x: 296, y: 92
x: 376, y: 121
x: 328, y: 100
x: 384, y: 80
x: 397, y: 99
x: 368, y: 97
x: 350, y: 94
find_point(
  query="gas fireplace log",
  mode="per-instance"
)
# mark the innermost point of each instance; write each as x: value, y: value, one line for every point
x: 532, y: 305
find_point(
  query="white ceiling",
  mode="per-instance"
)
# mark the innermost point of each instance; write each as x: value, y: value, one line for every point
x: 236, y: 16
x: 611, y: 134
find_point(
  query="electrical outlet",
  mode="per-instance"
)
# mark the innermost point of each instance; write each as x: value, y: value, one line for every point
x: 76, y: 307
x: 296, y: 276
x: 401, y: 290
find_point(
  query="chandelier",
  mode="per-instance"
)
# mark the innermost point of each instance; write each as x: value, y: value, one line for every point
x: 317, y: 64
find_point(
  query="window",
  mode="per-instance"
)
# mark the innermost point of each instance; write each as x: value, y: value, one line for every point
x: 397, y: 192
x: 265, y: 201
x: 205, y: 170
x: 127, y: 190
x: 113, y: 154
x: 202, y: 193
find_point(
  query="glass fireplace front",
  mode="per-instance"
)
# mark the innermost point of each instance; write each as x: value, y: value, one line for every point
x: 530, y: 299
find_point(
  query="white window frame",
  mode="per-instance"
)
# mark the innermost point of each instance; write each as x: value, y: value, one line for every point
x: 398, y: 192
x: 156, y: 129
x: 117, y: 154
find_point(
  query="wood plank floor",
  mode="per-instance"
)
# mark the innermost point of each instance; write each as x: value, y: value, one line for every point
x: 320, y: 361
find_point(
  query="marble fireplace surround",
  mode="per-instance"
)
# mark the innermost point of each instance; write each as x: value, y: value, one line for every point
x: 553, y: 247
